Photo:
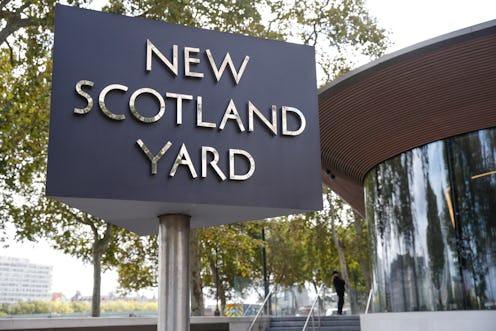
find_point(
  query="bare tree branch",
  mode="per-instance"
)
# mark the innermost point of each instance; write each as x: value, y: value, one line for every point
x: 3, y: 3
x: 11, y: 54
x: 86, y: 220
x: 21, y: 8
x: 14, y: 24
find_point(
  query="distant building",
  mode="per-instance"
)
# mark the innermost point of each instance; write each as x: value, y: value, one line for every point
x: 21, y: 280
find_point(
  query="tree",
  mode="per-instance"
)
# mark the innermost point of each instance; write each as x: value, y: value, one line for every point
x: 362, y: 248
x: 308, y: 247
x: 243, y: 17
x: 223, y: 258
x: 342, y: 31
x: 335, y: 27
x: 230, y: 258
x: 73, y: 232
x: 286, y: 251
x: 25, y: 50
x: 27, y: 15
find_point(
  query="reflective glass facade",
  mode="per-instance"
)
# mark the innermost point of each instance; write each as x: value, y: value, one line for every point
x: 432, y: 218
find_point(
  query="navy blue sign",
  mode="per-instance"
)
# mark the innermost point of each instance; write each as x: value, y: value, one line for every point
x: 150, y: 118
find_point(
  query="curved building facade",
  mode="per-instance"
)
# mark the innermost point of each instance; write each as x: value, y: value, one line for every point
x: 409, y: 141
x: 432, y: 217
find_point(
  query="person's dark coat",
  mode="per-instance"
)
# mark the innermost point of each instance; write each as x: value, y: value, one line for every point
x: 339, y: 285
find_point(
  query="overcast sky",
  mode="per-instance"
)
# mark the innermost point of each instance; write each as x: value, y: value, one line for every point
x: 413, y: 21
x: 408, y: 22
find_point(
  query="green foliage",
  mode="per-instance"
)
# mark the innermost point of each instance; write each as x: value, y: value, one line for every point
x: 342, y: 31
x: 23, y: 124
x: 230, y: 257
x: 287, y: 245
x: 231, y: 253
x: 301, y: 247
x: 122, y: 305
x: 138, y: 262
x: 224, y: 15
x: 33, y: 307
x: 80, y: 307
x: 62, y: 307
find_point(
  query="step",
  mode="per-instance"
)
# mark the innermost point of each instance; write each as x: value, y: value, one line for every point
x: 327, y: 323
x: 322, y: 323
x: 323, y: 319
x: 322, y: 328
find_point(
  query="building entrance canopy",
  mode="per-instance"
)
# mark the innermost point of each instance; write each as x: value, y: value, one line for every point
x: 433, y: 90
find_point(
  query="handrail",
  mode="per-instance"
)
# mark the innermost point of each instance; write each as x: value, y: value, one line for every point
x: 368, y: 301
x: 310, y: 313
x: 261, y: 308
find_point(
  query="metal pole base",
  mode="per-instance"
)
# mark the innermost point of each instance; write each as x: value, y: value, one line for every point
x: 173, y: 278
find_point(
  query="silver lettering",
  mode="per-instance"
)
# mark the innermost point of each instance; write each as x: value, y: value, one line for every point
x: 188, y: 60
x: 199, y: 115
x: 299, y: 114
x: 232, y: 170
x: 153, y: 158
x: 151, y: 49
x: 183, y: 158
x: 85, y: 95
x: 179, y: 104
x: 231, y: 114
x: 135, y: 112
x: 101, y: 101
x: 213, y: 163
x: 227, y: 61
x: 271, y: 125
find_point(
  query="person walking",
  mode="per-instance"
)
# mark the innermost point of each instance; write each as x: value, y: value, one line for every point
x: 339, y: 287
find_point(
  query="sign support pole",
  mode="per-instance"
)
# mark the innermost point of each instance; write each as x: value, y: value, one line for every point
x: 173, y: 278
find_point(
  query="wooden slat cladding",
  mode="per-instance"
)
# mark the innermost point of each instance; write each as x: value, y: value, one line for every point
x: 429, y: 93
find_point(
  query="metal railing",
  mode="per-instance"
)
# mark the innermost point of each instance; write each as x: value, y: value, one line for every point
x: 368, y: 302
x: 262, y: 309
x: 312, y: 310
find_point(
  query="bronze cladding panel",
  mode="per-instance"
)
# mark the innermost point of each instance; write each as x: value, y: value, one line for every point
x: 443, y: 88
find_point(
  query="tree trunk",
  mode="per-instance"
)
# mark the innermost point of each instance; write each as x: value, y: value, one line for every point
x: 221, y: 294
x: 100, y: 246
x: 97, y: 281
x: 222, y: 298
x: 364, y: 266
x: 197, y: 304
x: 340, y: 250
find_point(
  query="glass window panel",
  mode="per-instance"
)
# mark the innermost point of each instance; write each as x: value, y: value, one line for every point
x: 432, y: 222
